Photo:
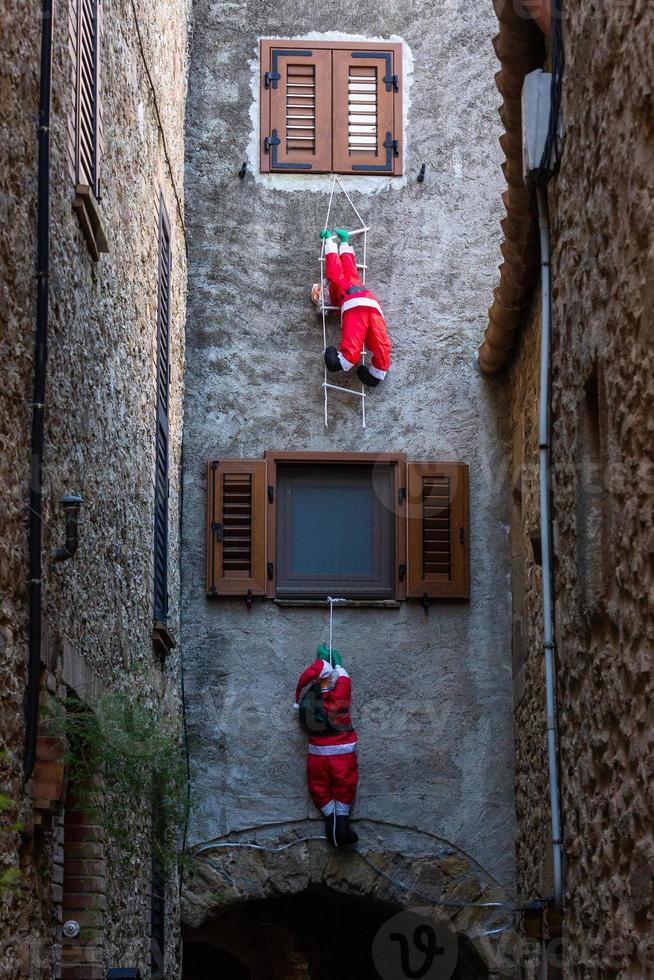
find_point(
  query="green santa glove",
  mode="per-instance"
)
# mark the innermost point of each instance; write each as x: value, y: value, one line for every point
x: 323, y: 654
x: 326, y: 233
x: 342, y: 234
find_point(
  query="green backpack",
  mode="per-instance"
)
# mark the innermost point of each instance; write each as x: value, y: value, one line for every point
x: 313, y: 717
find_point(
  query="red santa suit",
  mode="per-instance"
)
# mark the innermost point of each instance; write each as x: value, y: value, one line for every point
x: 362, y: 320
x: 332, y: 760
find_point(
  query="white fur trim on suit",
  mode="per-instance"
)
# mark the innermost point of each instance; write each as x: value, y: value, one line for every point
x: 344, y: 749
x: 331, y: 246
x: 345, y: 364
x: 342, y: 809
x: 328, y: 808
x: 346, y: 249
x: 361, y: 301
x: 376, y: 373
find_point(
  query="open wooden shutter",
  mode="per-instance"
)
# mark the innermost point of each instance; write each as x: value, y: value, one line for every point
x: 367, y: 107
x: 87, y: 112
x: 236, y: 527
x: 296, y: 95
x: 161, y: 439
x: 438, y: 530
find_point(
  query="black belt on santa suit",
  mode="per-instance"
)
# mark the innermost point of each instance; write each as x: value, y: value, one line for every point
x: 356, y: 289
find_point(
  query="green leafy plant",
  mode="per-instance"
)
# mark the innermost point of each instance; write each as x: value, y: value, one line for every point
x: 126, y: 771
x: 10, y: 877
x: 10, y: 880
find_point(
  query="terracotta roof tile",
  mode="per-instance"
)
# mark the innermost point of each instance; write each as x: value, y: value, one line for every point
x: 520, y: 47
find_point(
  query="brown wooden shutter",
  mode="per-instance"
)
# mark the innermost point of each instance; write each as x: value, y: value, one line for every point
x: 367, y: 111
x: 438, y: 530
x: 236, y: 527
x: 296, y: 94
x: 86, y: 95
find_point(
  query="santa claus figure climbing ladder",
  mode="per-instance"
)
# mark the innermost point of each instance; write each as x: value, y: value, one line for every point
x: 362, y: 317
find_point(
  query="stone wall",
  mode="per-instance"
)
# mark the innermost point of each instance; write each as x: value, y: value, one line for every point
x: 100, y: 412
x: 602, y: 411
x: 532, y: 800
x: 432, y: 693
x: 19, y: 32
x: 602, y: 446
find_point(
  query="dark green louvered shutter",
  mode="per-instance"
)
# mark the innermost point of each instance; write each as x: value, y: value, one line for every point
x: 161, y: 438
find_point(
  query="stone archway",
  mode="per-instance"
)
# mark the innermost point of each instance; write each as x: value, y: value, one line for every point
x: 273, y: 910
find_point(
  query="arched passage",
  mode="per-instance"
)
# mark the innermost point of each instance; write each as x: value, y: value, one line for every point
x: 275, y: 907
x: 315, y: 935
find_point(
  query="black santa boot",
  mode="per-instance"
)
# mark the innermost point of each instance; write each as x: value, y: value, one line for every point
x: 365, y: 377
x: 332, y: 361
x: 344, y: 833
x: 331, y: 832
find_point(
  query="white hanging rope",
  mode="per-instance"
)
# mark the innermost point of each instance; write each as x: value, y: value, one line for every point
x: 332, y: 601
x: 340, y: 184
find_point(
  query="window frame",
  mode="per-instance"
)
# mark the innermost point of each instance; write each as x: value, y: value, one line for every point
x: 395, y: 49
x: 275, y: 458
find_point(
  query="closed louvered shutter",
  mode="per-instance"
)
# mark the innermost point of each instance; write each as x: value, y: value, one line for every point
x: 236, y: 527
x: 157, y: 921
x: 438, y: 530
x: 161, y: 440
x: 295, y: 108
x: 86, y: 22
x: 367, y: 111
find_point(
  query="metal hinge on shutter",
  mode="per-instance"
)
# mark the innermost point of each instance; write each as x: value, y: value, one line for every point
x: 392, y: 81
x: 392, y: 148
x: 270, y: 145
x: 217, y: 530
x: 462, y: 535
x: 271, y: 78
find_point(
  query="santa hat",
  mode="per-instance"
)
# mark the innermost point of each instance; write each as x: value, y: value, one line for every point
x: 317, y: 670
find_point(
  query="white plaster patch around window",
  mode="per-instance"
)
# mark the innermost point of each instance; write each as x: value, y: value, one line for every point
x: 322, y: 182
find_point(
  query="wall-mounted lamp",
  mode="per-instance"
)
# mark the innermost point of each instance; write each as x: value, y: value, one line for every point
x: 71, y: 505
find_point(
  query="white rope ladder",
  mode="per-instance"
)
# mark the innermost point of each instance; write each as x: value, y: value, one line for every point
x: 326, y: 308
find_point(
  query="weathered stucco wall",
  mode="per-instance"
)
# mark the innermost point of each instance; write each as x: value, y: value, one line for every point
x: 100, y: 416
x: 432, y: 693
x: 602, y: 413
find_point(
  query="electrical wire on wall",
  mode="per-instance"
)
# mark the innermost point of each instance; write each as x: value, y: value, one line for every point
x: 512, y: 909
x: 549, y: 163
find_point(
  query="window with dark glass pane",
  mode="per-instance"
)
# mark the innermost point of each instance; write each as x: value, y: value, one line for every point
x: 335, y: 531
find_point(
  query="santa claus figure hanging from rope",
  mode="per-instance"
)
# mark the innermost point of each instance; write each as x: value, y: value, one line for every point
x: 323, y: 698
x: 362, y: 320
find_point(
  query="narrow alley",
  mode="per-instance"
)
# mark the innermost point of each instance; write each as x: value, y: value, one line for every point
x: 326, y: 440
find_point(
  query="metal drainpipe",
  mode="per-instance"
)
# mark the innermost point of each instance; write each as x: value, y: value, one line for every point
x: 545, y: 540
x: 38, y: 400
